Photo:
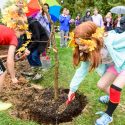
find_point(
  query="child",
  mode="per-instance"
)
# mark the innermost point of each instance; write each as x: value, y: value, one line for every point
x: 77, y: 21
x: 108, y: 22
x: 36, y: 47
x: 65, y: 21
x: 89, y: 46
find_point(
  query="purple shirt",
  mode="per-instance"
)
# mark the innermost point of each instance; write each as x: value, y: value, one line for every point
x: 43, y: 20
x: 77, y: 22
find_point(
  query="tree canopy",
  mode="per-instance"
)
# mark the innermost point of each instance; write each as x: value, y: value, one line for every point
x: 80, y: 6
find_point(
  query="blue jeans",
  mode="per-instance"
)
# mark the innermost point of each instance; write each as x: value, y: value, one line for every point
x: 34, y: 58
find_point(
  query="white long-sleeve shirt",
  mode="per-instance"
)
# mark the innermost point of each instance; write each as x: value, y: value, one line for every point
x: 98, y: 20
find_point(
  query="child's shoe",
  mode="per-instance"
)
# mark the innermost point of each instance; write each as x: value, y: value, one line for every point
x: 105, y: 119
x: 104, y: 99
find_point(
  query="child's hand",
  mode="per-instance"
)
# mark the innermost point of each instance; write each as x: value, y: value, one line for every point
x: 72, y: 21
x: 71, y: 97
x: 27, y: 52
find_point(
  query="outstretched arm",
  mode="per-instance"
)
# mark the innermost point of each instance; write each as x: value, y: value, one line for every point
x: 80, y: 74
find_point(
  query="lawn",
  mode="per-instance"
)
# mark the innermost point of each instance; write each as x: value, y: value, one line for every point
x: 88, y: 87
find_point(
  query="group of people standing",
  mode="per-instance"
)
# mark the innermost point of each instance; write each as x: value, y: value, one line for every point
x: 97, y: 18
x: 106, y: 21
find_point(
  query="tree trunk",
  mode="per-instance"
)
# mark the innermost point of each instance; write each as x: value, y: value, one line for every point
x: 53, y: 40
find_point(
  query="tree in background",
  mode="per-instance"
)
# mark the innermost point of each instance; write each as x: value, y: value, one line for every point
x: 74, y: 6
x: 80, y: 6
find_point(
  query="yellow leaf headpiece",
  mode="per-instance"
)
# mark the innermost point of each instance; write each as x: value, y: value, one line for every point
x: 14, y: 16
x: 90, y: 43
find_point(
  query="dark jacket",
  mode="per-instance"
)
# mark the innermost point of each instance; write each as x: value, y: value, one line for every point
x: 121, y: 29
x: 86, y: 18
x: 110, y: 24
x: 39, y: 36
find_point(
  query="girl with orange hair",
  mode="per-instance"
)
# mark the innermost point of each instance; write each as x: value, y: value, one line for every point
x: 105, y: 53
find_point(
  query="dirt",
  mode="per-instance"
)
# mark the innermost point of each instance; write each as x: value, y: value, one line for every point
x: 3, y: 50
x: 37, y: 104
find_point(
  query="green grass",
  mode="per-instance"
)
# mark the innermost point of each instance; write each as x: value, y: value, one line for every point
x: 88, y: 87
x: 6, y: 119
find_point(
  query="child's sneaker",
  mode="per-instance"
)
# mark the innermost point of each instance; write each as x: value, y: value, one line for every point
x: 105, y: 119
x: 27, y: 73
x: 104, y: 99
x: 37, y: 77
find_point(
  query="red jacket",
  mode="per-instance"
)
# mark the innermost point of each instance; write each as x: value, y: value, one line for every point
x: 7, y: 36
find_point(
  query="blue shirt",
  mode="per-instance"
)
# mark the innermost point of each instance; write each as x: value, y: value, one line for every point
x: 64, y: 23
